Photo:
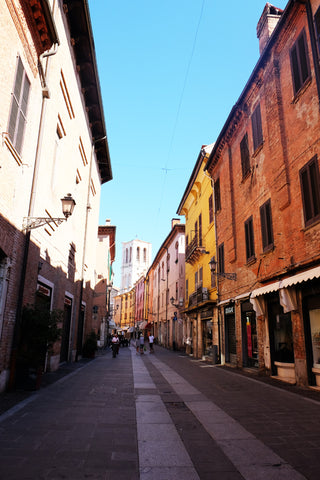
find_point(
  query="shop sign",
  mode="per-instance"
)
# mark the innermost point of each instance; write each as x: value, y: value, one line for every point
x: 207, y: 313
x: 43, y: 290
x: 229, y: 310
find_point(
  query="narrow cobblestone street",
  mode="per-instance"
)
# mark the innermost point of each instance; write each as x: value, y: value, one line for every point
x: 163, y: 416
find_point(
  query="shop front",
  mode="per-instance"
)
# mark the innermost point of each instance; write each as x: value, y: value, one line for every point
x: 249, y: 336
x: 281, y: 340
x: 230, y: 334
x: 311, y: 316
x: 206, y: 316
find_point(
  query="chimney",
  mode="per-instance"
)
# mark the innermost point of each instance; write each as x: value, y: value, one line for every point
x: 175, y: 221
x: 267, y: 23
x: 108, y: 222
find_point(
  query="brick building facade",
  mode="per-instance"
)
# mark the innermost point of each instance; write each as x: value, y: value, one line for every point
x: 165, y: 289
x: 53, y: 143
x: 265, y: 168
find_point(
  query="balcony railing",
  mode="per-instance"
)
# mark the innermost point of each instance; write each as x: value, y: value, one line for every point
x: 194, y: 250
x: 199, y: 296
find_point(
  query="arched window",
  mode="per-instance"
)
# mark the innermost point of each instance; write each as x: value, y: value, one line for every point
x: 138, y: 254
x: 126, y: 255
x: 145, y: 255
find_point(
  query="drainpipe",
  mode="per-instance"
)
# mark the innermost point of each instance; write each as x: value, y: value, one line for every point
x: 17, y: 325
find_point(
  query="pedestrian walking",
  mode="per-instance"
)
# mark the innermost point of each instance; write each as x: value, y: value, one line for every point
x: 151, y: 340
x: 141, y: 342
x: 115, y: 345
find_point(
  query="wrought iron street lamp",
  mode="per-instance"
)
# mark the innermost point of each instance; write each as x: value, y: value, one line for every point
x: 177, y: 305
x: 68, y: 204
x: 213, y: 268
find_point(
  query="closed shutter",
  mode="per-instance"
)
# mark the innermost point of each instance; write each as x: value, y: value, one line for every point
x: 20, y: 96
x: 245, y: 156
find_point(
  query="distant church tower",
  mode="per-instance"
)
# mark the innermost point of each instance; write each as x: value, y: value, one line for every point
x: 136, y: 260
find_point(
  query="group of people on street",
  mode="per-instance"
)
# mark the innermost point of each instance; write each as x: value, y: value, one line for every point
x: 140, y: 346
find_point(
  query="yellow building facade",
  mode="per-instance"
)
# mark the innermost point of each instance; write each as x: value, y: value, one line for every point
x: 202, y: 329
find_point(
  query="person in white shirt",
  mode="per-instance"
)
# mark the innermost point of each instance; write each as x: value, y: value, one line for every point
x: 141, y: 341
x: 151, y: 340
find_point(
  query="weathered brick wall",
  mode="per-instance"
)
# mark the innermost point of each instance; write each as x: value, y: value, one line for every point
x: 291, y: 126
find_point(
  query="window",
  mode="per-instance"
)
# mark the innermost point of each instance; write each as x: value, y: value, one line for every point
x: 66, y: 96
x: 266, y: 226
x: 245, y: 156
x: 187, y: 288
x: 248, y: 226
x: 196, y: 280
x: 317, y: 25
x: 145, y: 255
x: 19, y: 102
x: 310, y: 188
x: 256, y: 128
x: 217, y: 200
x: 138, y: 254
x: 177, y: 252
x: 221, y: 258
x: 211, y: 209
x: 299, y: 63
x: 168, y: 262
x: 200, y: 230
x: 200, y: 276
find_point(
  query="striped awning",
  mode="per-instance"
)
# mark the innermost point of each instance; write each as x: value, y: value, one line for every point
x: 287, y: 282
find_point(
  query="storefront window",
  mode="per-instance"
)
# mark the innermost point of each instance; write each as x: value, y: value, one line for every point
x: 252, y: 340
x: 283, y: 343
x: 207, y: 337
x: 315, y: 334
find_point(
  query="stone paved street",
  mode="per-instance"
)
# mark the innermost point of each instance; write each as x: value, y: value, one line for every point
x: 163, y: 416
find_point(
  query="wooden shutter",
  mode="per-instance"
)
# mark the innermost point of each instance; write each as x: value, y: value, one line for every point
x: 317, y: 25
x: 245, y: 156
x: 256, y: 128
x: 249, y: 238
x: 19, y: 103
x: 310, y: 186
x: 266, y: 225
x: 211, y: 208
x: 221, y: 258
x: 299, y: 62
x: 217, y: 199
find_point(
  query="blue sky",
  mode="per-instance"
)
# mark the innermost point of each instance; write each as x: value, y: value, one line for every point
x: 170, y: 73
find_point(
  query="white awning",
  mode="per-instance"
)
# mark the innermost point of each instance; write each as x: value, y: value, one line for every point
x: 287, y: 282
x: 142, y: 324
x: 272, y: 287
x: 300, y: 277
